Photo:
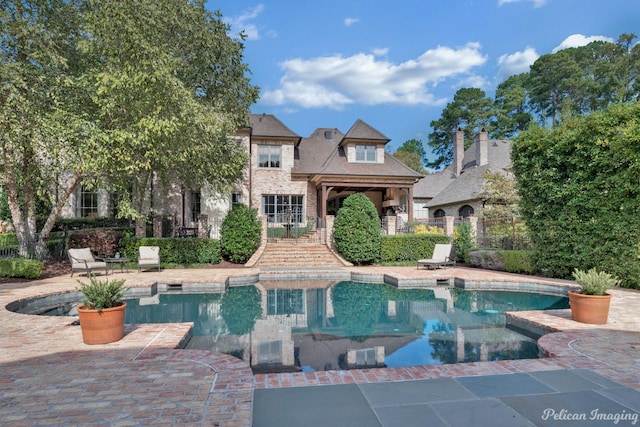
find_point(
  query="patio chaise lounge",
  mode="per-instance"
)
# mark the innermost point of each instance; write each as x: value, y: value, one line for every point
x: 82, y: 260
x: 441, y: 257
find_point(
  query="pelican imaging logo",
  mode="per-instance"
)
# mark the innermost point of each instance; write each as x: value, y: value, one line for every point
x: 596, y: 415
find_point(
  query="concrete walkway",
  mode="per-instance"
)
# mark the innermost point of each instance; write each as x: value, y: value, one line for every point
x: 49, y: 377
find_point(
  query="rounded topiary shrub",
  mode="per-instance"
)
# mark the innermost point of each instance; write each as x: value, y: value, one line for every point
x: 240, y: 234
x: 356, y: 231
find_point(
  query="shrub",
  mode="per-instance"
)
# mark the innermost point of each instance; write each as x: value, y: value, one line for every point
x: 463, y: 241
x: 356, y: 230
x: 427, y: 229
x: 175, y: 250
x: 580, y: 197
x: 103, y: 243
x: 101, y: 294
x: 240, y: 234
x: 409, y: 247
x: 518, y: 262
x: 18, y: 267
x: 595, y: 282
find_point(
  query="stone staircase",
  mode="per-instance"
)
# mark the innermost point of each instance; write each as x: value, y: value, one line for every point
x: 297, y: 253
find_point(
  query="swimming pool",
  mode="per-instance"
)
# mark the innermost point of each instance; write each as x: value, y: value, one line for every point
x: 278, y: 327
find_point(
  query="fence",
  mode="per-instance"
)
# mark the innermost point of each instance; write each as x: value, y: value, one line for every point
x: 282, y: 226
x: 497, y: 233
x: 503, y: 233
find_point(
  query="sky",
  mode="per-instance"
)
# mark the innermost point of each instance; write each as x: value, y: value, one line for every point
x: 396, y: 64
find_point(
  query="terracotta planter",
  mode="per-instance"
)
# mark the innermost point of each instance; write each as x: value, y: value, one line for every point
x: 102, y: 326
x: 593, y: 309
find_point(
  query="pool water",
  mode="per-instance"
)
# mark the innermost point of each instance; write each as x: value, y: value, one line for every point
x: 349, y: 324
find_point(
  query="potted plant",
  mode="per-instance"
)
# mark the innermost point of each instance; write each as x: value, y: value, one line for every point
x: 591, y: 303
x: 102, y: 312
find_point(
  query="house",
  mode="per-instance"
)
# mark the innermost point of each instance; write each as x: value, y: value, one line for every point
x: 457, y: 190
x: 289, y: 179
x: 312, y: 176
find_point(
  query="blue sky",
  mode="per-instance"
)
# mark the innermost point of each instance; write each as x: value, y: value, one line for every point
x: 395, y: 65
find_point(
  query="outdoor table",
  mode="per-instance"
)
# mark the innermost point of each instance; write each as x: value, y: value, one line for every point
x: 114, y: 261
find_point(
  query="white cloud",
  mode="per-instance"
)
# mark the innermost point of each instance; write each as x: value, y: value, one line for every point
x: 336, y: 81
x: 536, y: 3
x: 240, y: 24
x: 380, y: 51
x: 577, y: 40
x: 516, y: 63
x: 350, y: 21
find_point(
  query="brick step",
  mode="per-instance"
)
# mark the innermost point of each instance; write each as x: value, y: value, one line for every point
x: 300, y: 254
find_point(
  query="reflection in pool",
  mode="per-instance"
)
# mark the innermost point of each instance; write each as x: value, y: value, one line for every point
x: 349, y: 324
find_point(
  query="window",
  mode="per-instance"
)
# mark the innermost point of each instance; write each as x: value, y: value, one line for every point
x: 365, y: 153
x: 269, y: 156
x: 420, y: 210
x: 269, y: 352
x: 439, y: 214
x: 87, y: 203
x: 195, y: 205
x: 278, y: 207
x: 285, y: 301
x: 236, y: 198
x: 465, y: 211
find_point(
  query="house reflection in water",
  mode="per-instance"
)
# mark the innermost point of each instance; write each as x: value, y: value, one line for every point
x: 327, y: 325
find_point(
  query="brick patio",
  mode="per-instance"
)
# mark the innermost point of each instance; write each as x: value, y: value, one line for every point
x: 49, y: 377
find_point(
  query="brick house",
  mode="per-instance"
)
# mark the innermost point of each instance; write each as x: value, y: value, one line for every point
x: 305, y: 178
x: 456, y: 191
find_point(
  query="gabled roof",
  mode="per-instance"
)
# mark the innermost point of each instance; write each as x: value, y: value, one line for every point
x: 322, y: 154
x: 267, y: 125
x: 444, y: 188
x: 363, y: 132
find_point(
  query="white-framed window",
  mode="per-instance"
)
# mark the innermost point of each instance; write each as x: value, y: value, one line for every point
x: 366, y: 153
x: 420, y: 210
x: 269, y: 156
x: 277, y: 207
x: 87, y: 203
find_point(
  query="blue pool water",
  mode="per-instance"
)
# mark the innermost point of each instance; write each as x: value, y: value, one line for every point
x: 349, y: 324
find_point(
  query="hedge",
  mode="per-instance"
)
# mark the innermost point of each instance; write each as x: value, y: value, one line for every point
x: 175, y: 250
x: 409, y: 247
x: 19, y: 267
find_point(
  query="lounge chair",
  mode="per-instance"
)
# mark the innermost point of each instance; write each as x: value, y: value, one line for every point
x: 441, y: 257
x: 149, y: 256
x: 82, y: 260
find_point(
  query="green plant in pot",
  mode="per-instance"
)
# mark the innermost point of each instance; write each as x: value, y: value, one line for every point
x: 102, y: 312
x: 591, y: 303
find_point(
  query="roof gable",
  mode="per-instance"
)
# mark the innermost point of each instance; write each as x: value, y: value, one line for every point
x: 268, y: 125
x: 361, y: 131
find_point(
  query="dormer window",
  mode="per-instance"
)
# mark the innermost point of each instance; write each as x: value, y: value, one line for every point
x: 269, y: 156
x: 365, y: 153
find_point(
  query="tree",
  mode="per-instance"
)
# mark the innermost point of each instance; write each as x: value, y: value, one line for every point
x: 112, y: 94
x: 579, y: 192
x: 500, y: 195
x: 240, y: 234
x: 412, y: 154
x: 356, y: 230
x: 470, y: 110
x: 511, y: 108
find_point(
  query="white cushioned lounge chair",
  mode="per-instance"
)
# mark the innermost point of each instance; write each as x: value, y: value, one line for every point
x: 441, y: 257
x: 148, y: 257
x: 82, y: 260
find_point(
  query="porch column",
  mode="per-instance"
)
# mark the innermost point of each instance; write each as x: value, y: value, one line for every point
x: 410, y: 203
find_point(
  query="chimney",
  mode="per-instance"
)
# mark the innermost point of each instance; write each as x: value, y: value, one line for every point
x: 482, y: 148
x: 458, y: 152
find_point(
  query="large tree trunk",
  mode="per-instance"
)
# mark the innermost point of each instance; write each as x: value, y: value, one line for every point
x: 31, y: 243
